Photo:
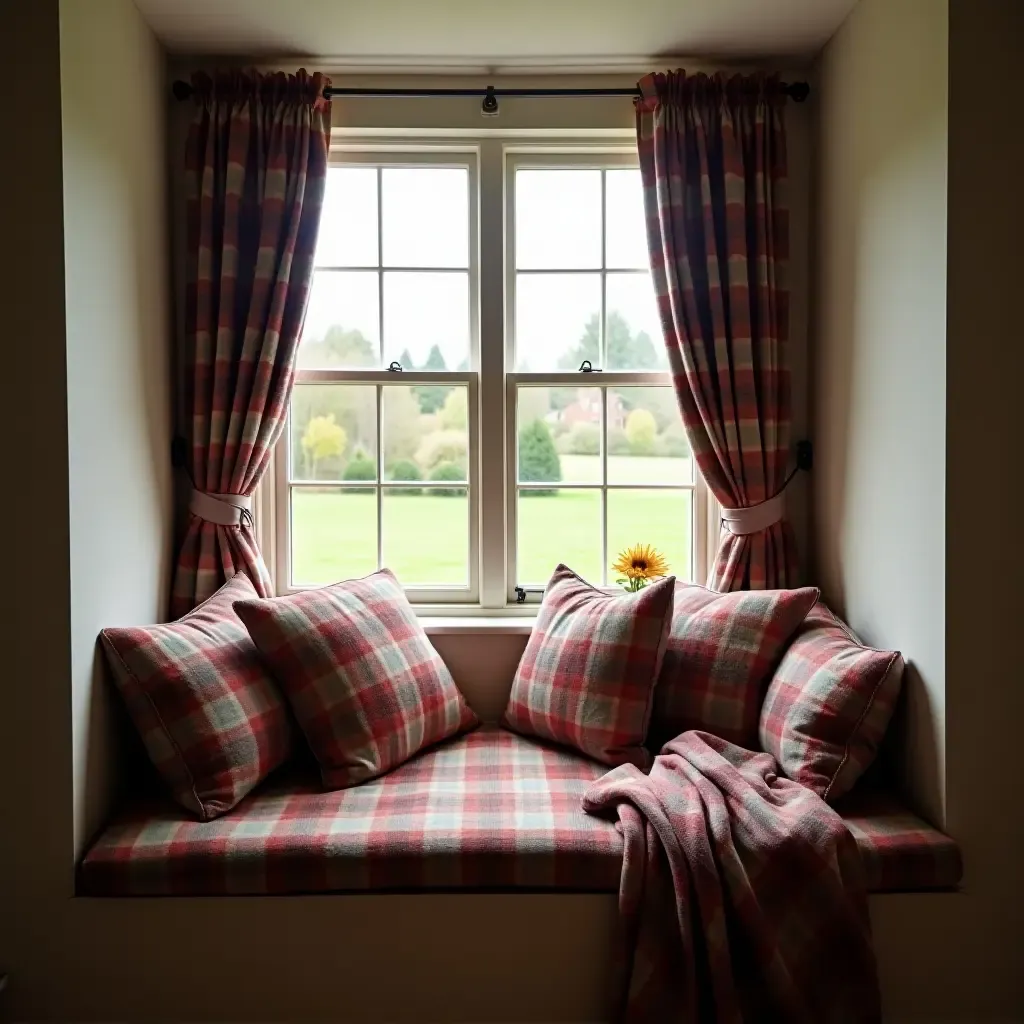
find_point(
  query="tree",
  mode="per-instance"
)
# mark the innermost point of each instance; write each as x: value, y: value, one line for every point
x: 454, y: 414
x: 443, y: 446
x: 405, y: 360
x: 432, y: 396
x: 403, y: 428
x: 625, y: 350
x: 323, y: 438
x: 641, y: 430
x: 538, y: 457
x: 338, y: 347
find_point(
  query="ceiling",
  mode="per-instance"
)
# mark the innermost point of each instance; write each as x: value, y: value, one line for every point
x: 475, y: 35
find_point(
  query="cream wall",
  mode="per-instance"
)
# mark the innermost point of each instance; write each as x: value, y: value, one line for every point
x: 880, y: 350
x: 917, y: 361
x: 118, y: 346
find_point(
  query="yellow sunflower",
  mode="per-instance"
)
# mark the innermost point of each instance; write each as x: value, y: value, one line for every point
x: 639, y: 564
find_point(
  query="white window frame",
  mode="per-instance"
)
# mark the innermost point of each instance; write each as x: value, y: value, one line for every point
x: 383, y: 156
x: 526, y: 157
x: 491, y: 379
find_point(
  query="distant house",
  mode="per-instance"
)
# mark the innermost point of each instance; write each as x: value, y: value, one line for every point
x: 587, y: 409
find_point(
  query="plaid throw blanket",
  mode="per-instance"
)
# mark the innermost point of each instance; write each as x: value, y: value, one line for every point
x: 742, y: 895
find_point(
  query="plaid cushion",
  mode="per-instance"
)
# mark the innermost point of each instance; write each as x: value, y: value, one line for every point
x: 828, y: 705
x: 720, y: 655
x: 208, y: 712
x: 587, y: 675
x: 365, y: 684
x: 900, y: 852
x: 487, y: 810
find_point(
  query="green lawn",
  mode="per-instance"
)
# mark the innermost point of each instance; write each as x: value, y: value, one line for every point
x: 426, y: 538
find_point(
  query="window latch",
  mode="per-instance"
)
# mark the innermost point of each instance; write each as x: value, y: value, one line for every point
x: 395, y: 367
x: 520, y: 595
x: 587, y: 367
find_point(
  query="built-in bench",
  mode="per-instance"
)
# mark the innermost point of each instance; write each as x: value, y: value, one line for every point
x: 488, y: 811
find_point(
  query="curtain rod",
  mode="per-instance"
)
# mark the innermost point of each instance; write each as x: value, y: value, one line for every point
x: 798, y: 91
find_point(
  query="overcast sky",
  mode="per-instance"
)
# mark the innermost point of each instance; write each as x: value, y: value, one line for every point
x: 425, y: 224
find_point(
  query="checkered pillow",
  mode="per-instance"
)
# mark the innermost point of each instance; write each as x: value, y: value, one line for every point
x: 828, y: 705
x: 589, y: 668
x: 207, y: 709
x: 365, y: 684
x: 720, y: 655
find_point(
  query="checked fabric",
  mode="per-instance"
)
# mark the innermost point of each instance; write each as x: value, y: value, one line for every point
x: 828, y: 705
x: 210, y: 717
x: 721, y: 652
x: 587, y: 675
x: 487, y: 810
x: 363, y: 680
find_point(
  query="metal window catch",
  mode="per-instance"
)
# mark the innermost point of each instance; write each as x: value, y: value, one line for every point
x: 489, y: 107
x: 395, y: 367
x: 587, y: 367
x: 520, y: 595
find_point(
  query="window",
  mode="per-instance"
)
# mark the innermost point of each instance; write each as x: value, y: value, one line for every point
x: 481, y: 387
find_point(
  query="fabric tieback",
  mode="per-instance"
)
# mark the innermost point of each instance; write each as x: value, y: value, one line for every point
x: 743, y: 521
x: 222, y: 509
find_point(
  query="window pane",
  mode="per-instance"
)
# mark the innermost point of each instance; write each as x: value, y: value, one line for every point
x: 334, y: 534
x: 558, y: 526
x: 426, y: 320
x: 559, y: 435
x: 558, y: 219
x: 426, y: 432
x: 348, y: 225
x: 342, y: 325
x: 633, y: 327
x: 663, y: 519
x: 646, y: 440
x: 334, y: 432
x: 426, y: 216
x: 626, y: 238
x: 558, y: 321
x: 426, y: 535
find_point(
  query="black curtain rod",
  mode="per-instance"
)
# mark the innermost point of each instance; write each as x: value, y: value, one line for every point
x: 798, y: 91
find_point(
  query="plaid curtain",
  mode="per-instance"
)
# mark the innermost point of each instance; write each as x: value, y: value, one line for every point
x: 256, y: 169
x: 713, y: 159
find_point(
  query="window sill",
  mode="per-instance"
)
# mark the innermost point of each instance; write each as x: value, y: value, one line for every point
x: 459, y: 625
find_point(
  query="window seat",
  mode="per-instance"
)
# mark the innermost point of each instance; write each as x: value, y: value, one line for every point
x: 487, y: 811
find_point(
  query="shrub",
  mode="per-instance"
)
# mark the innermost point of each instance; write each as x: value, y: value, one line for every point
x: 538, y: 457
x: 641, y: 431
x: 443, y: 446
x: 405, y: 470
x: 447, y: 471
x: 583, y: 439
x: 454, y: 414
x: 674, y: 443
x: 360, y: 467
x: 618, y: 443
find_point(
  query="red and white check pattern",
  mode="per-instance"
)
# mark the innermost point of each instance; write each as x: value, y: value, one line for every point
x: 207, y: 709
x: 255, y: 174
x: 587, y: 676
x: 720, y: 655
x: 742, y: 895
x: 828, y: 705
x: 486, y: 810
x: 366, y: 686
x: 712, y: 155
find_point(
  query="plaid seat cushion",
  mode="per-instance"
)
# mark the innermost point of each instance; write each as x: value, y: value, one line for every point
x: 720, y: 655
x: 489, y: 810
x: 587, y: 675
x: 828, y: 705
x: 900, y: 851
x: 208, y: 712
x: 366, y: 686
